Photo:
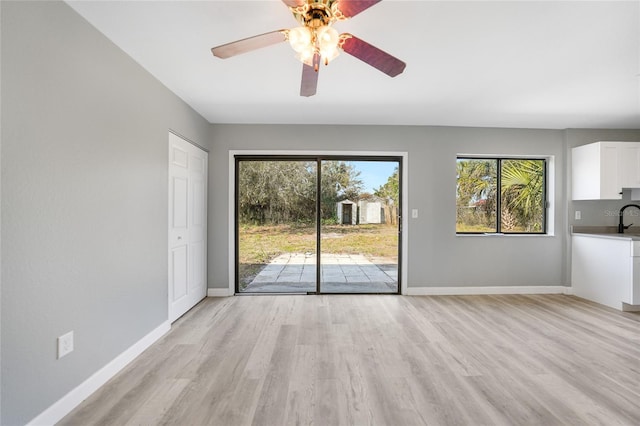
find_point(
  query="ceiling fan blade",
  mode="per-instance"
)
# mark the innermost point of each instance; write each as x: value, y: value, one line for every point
x: 248, y: 44
x: 294, y: 3
x: 350, y: 8
x: 309, y: 82
x: 373, y: 56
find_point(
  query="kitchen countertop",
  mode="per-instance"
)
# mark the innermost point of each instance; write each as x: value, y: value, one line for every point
x: 610, y: 232
x: 616, y: 236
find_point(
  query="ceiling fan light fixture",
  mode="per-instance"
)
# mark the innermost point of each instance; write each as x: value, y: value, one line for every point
x: 328, y: 40
x: 307, y: 42
x: 327, y: 36
x: 300, y: 39
x: 329, y: 54
x: 306, y: 56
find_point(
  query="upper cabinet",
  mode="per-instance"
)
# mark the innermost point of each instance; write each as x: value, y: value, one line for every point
x: 629, y: 164
x: 600, y: 170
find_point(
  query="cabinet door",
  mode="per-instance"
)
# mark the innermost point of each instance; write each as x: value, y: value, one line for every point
x: 634, y: 296
x: 629, y: 164
x: 601, y: 269
x: 610, y: 188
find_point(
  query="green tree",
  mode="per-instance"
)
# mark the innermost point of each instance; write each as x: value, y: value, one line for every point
x: 391, y: 189
x: 521, y: 195
x: 476, y: 194
x: 276, y: 191
x: 522, y: 190
x: 272, y: 192
x: 340, y: 181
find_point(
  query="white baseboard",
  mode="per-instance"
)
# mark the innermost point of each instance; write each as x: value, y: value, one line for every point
x: 459, y: 291
x: 71, y: 400
x: 630, y: 308
x: 219, y: 292
x: 450, y: 291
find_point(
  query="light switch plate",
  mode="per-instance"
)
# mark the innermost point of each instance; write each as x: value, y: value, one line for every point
x: 414, y: 213
x: 578, y: 215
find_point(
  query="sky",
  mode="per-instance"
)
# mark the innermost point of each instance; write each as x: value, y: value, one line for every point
x: 374, y: 173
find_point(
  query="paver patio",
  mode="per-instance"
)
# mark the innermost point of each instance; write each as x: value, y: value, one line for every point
x: 340, y: 273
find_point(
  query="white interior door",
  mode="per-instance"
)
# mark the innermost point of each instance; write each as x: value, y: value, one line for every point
x: 187, y: 226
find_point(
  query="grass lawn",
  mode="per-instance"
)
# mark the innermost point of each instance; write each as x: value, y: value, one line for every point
x: 463, y: 227
x: 260, y: 244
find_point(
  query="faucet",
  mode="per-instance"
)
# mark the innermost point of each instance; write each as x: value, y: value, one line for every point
x: 621, y: 226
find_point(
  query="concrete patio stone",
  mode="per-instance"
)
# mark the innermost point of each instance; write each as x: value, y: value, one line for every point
x: 340, y: 273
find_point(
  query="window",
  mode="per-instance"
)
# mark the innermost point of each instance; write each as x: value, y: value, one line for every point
x: 501, y: 195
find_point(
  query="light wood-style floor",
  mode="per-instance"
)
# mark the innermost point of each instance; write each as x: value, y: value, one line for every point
x: 382, y: 360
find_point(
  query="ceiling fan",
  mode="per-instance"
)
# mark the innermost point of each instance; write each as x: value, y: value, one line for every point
x: 315, y: 41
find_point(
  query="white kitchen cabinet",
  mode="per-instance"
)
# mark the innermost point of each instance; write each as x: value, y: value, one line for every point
x: 600, y: 170
x: 635, y: 286
x: 629, y: 159
x: 606, y: 269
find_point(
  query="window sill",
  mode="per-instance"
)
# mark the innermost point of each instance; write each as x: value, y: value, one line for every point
x: 493, y: 234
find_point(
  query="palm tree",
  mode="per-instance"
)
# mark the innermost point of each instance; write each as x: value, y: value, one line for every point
x: 476, y: 192
x: 522, y: 191
x: 521, y: 194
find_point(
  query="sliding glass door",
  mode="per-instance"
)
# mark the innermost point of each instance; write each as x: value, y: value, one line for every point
x: 359, y: 228
x: 317, y: 224
x: 276, y: 226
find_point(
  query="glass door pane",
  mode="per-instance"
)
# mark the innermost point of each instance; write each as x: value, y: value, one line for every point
x: 359, y: 238
x: 276, y: 226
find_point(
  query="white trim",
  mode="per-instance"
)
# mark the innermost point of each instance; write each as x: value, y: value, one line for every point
x: 405, y: 200
x: 630, y: 308
x: 71, y: 400
x: 219, y: 292
x: 459, y: 291
x: 405, y: 223
x: 186, y: 139
x: 232, y: 216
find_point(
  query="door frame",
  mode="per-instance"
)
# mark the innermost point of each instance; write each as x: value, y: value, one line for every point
x: 404, y: 223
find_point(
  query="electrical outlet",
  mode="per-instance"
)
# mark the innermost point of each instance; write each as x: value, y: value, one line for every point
x: 65, y: 344
x: 578, y: 215
x: 414, y: 213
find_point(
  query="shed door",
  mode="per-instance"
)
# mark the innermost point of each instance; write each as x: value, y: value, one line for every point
x: 346, y: 214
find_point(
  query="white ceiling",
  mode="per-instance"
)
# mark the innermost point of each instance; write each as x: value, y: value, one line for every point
x: 536, y: 64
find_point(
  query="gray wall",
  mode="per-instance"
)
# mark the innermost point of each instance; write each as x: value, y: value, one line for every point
x: 84, y: 201
x: 436, y: 256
